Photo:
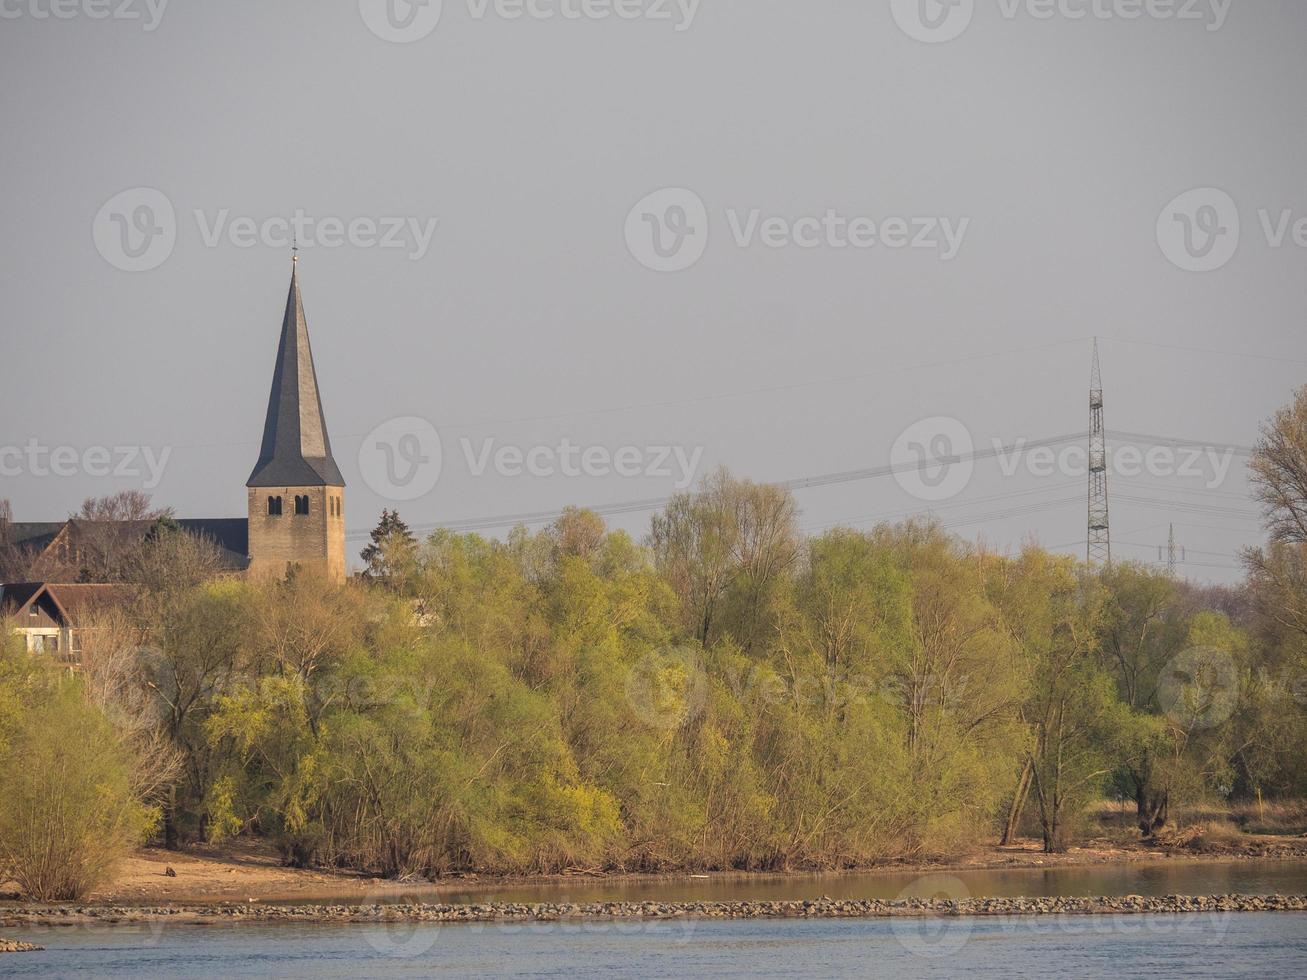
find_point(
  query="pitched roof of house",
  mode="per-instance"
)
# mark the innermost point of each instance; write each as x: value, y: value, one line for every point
x: 17, y: 597
x: 68, y: 600
x: 80, y: 598
x: 295, y: 451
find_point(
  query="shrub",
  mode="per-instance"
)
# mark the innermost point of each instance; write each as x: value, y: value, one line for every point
x: 67, y: 812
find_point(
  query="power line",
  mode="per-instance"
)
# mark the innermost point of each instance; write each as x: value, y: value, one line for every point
x: 882, y: 516
x: 847, y: 476
x: 802, y: 483
x: 1175, y: 442
x: 1207, y: 350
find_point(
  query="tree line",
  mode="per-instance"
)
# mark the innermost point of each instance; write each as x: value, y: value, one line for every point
x: 724, y: 694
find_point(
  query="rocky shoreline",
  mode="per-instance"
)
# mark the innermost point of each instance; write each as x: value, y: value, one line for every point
x: 53, y: 915
x: 14, y: 946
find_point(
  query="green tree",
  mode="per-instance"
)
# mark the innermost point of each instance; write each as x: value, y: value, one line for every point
x: 68, y: 814
x: 392, y: 551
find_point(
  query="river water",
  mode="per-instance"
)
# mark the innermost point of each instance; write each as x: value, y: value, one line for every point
x: 1199, y: 945
x: 1144, y: 878
x: 1233, y: 945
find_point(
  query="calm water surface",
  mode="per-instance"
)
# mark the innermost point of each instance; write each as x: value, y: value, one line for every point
x: 1252, y: 945
x: 1161, y: 878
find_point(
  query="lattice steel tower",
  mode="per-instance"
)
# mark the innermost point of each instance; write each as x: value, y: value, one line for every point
x: 1171, y: 551
x: 1100, y: 540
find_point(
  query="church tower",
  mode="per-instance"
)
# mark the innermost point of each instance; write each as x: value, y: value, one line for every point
x: 296, y: 492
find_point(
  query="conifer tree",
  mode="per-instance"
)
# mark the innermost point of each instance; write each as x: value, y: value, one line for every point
x: 393, y: 547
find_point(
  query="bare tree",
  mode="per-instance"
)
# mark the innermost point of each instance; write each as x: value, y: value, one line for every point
x: 15, y: 560
x: 117, y: 684
x: 108, y: 529
x: 767, y: 545
x: 1279, y: 467
x: 168, y: 561
x: 1278, y: 573
x: 694, y: 542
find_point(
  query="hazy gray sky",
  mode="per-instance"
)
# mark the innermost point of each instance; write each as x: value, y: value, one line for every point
x: 1049, y: 149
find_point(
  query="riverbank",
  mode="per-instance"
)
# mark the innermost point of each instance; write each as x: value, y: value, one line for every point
x: 248, y: 870
x: 14, y: 946
x: 68, y: 915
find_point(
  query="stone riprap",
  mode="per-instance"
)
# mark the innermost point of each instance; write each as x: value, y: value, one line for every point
x: 555, y: 912
x: 14, y: 946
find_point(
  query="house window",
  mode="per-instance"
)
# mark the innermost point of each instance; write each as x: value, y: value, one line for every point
x: 301, y: 504
x: 274, y: 506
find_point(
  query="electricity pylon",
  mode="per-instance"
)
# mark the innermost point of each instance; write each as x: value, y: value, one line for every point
x: 1100, y: 539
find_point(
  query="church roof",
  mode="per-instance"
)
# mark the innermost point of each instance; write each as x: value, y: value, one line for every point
x: 230, y: 534
x: 296, y: 451
x: 31, y: 534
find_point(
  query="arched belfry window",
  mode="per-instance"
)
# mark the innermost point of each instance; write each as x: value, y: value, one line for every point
x: 274, y: 506
x: 301, y: 504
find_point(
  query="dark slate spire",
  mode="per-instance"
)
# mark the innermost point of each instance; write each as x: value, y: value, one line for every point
x: 296, y: 451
